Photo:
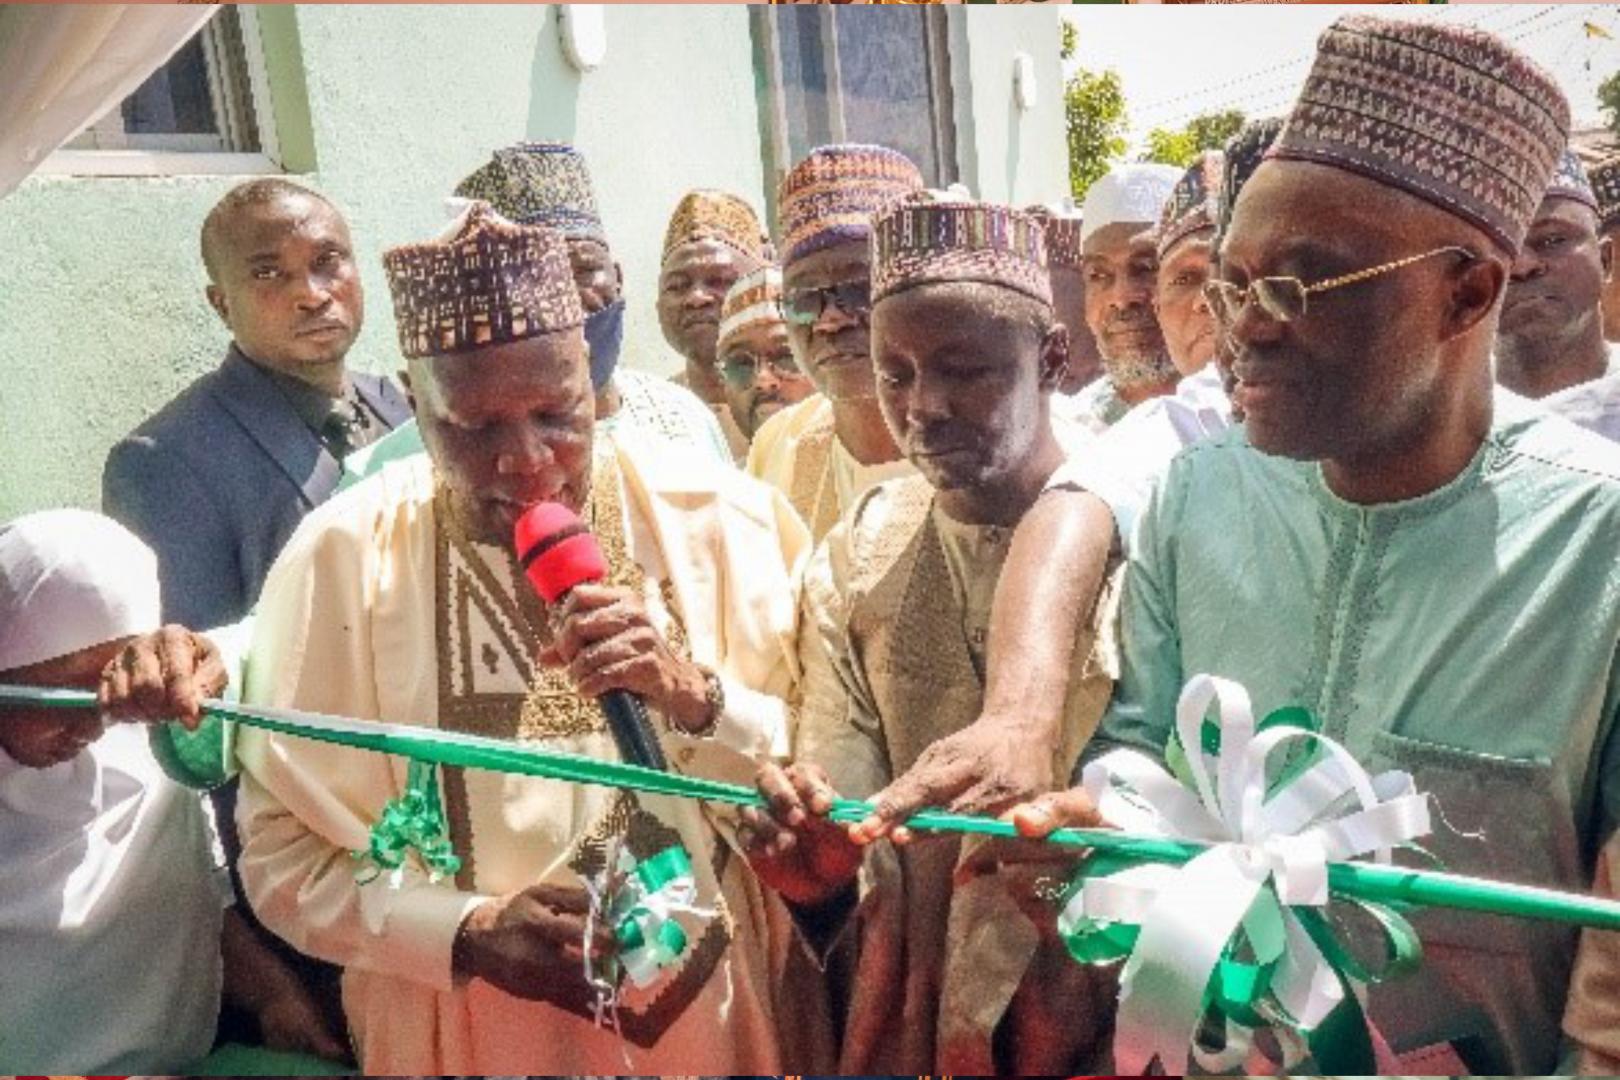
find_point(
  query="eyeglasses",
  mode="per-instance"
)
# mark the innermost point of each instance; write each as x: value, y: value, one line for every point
x: 740, y: 369
x: 803, y: 307
x: 1284, y: 298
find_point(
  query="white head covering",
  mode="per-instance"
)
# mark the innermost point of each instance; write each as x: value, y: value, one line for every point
x: 70, y: 579
x: 109, y: 865
x: 1135, y: 193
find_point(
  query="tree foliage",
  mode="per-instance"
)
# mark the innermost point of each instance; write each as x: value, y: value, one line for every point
x: 1094, y: 112
x: 1608, y: 93
x: 1179, y: 146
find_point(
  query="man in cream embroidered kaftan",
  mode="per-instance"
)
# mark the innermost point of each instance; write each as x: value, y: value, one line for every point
x: 401, y: 601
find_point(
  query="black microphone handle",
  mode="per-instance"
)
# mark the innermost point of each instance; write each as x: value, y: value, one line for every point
x: 632, y: 729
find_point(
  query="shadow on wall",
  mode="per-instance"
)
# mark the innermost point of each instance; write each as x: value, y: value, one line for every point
x: 553, y: 85
x: 1015, y: 143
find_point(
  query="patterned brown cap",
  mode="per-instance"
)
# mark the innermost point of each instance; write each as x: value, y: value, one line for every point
x: 831, y: 195
x: 928, y: 240
x: 1450, y: 114
x: 1193, y: 205
x: 485, y: 282
x: 705, y: 214
x: 1062, y: 235
x: 1570, y: 181
x: 1605, y: 178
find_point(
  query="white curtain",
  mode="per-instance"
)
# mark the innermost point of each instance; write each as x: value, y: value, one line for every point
x: 65, y: 65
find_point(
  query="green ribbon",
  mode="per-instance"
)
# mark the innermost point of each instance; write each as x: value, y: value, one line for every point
x: 1370, y: 882
x: 664, y: 868
x: 640, y: 899
x: 667, y: 868
x: 1239, y: 992
x: 414, y: 822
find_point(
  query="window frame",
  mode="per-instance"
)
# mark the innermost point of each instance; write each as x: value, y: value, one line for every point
x: 146, y: 155
x: 776, y: 139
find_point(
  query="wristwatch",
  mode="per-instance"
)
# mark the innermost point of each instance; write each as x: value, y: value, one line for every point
x: 714, y: 701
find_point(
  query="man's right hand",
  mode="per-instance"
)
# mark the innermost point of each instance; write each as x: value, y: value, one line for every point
x: 987, y: 767
x: 531, y: 944
x: 791, y: 845
x: 164, y: 675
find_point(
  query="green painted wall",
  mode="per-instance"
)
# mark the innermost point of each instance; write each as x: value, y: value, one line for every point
x: 102, y: 317
x: 1008, y: 154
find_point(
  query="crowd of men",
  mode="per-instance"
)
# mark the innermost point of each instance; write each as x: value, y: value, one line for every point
x: 948, y: 498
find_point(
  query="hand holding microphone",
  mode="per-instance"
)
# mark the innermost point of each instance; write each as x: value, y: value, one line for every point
x: 605, y: 637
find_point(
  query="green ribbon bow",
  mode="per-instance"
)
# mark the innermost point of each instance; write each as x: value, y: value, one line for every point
x: 649, y: 937
x: 414, y: 822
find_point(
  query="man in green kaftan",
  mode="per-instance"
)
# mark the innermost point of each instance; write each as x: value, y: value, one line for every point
x: 1425, y: 563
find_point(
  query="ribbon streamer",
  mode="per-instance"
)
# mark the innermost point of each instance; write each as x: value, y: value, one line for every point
x: 1370, y: 882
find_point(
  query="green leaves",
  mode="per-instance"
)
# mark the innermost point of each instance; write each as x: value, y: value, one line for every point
x: 1179, y: 146
x: 1094, y: 113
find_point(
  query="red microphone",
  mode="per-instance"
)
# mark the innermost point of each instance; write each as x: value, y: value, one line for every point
x: 557, y: 552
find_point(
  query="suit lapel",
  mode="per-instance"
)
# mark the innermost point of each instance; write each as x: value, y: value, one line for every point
x: 255, y: 403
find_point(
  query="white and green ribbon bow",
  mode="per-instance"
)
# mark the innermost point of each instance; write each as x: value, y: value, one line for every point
x: 643, y: 910
x: 640, y: 899
x: 1235, y: 936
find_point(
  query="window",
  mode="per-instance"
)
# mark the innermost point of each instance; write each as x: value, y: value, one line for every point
x: 857, y: 74
x: 205, y: 111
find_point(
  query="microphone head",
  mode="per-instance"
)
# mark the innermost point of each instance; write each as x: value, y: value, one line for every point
x: 556, y: 550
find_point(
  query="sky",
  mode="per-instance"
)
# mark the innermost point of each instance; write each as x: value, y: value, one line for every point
x: 1177, y: 62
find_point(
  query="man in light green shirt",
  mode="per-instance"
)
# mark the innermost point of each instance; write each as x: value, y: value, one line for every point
x: 1426, y: 564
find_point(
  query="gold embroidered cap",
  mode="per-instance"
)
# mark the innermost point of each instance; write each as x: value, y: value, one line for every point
x: 706, y: 214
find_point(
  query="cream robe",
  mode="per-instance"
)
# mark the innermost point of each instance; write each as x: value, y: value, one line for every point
x: 373, y: 612
x: 894, y: 618
x: 798, y: 453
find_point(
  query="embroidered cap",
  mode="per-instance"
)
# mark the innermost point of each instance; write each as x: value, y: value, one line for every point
x: 1062, y: 227
x: 832, y: 195
x: 1450, y: 114
x: 539, y: 183
x: 1191, y: 207
x: 753, y: 299
x: 485, y: 281
x: 927, y: 240
x: 1570, y: 181
x: 705, y: 214
x: 1241, y: 156
x: 1129, y: 193
x: 1605, y: 178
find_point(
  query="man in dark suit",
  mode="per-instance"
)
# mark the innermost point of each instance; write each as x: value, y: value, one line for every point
x: 218, y: 478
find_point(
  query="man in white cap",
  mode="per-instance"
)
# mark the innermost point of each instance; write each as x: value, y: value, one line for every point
x: 111, y: 875
x: 1120, y: 260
